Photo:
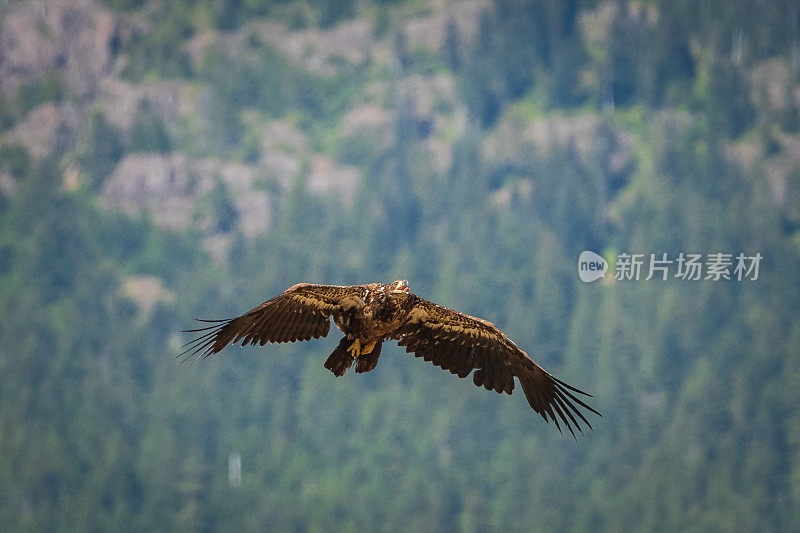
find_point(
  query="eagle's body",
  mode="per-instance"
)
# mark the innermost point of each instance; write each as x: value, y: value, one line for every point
x: 384, y: 310
x: 370, y: 314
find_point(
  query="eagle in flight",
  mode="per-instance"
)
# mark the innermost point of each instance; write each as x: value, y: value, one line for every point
x: 370, y: 314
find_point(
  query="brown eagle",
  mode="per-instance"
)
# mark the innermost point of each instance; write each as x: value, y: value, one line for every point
x: 370, y: 314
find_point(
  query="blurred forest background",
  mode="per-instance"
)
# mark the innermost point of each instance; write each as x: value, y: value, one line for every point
x: 161, y: 161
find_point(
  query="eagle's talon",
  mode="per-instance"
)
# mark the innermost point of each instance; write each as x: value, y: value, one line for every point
x: 355, y: 348
x: 368, y: 348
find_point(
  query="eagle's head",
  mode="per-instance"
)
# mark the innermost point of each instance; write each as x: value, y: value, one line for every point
x: 399, y: 286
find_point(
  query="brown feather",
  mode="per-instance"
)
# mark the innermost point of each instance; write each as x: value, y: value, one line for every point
x: 461, y: 343
x: 299, y: 313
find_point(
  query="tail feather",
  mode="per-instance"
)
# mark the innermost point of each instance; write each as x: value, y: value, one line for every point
x: 340, y: 360
x: 367, y: 362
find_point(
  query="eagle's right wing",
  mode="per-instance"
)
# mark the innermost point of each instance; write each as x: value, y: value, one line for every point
x: 300, y: 313
x: 462, y: 343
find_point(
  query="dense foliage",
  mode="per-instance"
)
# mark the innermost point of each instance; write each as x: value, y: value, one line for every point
x: 697, y: 381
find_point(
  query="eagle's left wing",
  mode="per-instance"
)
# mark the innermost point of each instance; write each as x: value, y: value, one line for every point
x: 300, y: 313
x: 460, y: 343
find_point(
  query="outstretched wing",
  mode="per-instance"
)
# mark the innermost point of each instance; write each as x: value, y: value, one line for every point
x: 300, y: 313
x: 461, y: 343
